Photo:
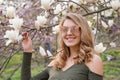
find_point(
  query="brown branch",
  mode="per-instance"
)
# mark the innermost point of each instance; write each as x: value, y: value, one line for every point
x: 9, y: 78
x: 4, y: 65
x: 75, y: 3
x: 97, y: 11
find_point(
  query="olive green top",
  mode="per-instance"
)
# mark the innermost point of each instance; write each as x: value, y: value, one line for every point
x: 75, y: 72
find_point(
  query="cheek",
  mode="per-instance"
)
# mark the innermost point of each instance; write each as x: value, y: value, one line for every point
x: 63, y: 36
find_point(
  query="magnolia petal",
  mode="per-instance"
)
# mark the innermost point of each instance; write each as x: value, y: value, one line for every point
x: 49, y: 53
x: 58, y: 9
x: 103, y: 49
x: 37, y: 25
x: 104, y: 24
x: 46, y: 4
x: 8, y: 42
x: 16, y: 23
x: 110, y: 22
x: 12, y: 35
x: 89, y: 23
x: 94, y: 31
x: 99, y: 48
x: 115, y: 4
x: 42, y: 51
x: 1, y: 1
x: 7, y: 34
x: 41, y: 21
x: 20, y: 37
x: 10, y: 11
x: 112, y: 44
x: 55, y: 29
x: 109, y: 57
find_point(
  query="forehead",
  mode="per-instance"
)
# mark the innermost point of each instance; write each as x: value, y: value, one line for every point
x: 69, y: 23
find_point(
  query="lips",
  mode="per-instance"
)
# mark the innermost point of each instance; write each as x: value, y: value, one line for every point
x: 70, y: 39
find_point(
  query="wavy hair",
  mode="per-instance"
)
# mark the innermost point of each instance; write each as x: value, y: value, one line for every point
x: 86, y: 49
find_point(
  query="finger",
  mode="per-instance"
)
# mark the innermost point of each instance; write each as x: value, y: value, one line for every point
x: 24, y: 33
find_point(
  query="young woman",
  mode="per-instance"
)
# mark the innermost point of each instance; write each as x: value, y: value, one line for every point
x: 76, y: 61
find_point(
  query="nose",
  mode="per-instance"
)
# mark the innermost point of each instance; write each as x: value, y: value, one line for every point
x: 69, y: 32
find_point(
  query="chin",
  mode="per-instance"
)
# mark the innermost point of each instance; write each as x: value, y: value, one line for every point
x: 70, y: 45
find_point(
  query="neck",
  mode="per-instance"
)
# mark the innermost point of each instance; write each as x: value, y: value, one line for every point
x: 74, y: 51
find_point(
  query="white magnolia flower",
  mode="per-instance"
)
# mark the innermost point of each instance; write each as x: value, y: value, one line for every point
x: 42, y: 51
x: 58, y: 9
x: 64, y: 12
x: 100, y: 48
x: 16, y: 23
x: 73, y: 4
x: 94, y: 31
x: 89, y: 23
x: 92, y: 8
x: 10, y: 11
x: 1, y: 1
x: 46, y: 4
x: 104, y: 24
x: 46, y: 14
x: 112, y: 44
x: 55, y: 20
x: 110, y: 23
x: 107, y: 13
x: 55, y: 29
x: 12, y: 36
x: 11, y: 3
x: 49, y: 53
x: 115, y: 4
x: 109, y: 57
x: 41, y: 21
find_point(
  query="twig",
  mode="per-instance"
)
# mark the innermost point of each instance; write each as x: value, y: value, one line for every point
x: 75, y: 3
x: 14, y: 71
x: 97, y: 11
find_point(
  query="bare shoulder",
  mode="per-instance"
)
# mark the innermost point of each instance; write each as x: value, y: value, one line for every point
x: 96, y: 65
x: 51, y: 63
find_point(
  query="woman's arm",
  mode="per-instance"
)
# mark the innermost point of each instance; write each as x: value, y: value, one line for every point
x: 26, y: 66
x: 26, y: 63
x: 26, y: 69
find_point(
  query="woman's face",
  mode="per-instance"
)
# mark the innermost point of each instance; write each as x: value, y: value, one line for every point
x: 70, y: 33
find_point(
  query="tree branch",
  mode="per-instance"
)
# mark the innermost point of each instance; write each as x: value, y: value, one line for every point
x: 97, y: 11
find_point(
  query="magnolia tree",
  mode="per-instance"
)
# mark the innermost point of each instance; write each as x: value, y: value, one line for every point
x: 38, y: 17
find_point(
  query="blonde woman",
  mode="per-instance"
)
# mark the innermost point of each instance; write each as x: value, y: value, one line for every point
x: 76, y: 61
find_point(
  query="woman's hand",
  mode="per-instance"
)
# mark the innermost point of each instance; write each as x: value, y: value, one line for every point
x: 27, y: 42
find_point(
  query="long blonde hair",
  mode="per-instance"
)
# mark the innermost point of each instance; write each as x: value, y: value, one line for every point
x: 86, y: 43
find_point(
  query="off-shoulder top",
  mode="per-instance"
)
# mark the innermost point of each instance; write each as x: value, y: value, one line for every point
x: 75, y: 72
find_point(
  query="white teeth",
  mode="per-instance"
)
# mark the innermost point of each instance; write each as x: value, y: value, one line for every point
x: 70, y: 38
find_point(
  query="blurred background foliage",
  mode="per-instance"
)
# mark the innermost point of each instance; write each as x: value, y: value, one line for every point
x: 98, y: 14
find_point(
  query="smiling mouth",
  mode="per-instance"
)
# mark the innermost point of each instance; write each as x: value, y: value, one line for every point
x: 70, y: 38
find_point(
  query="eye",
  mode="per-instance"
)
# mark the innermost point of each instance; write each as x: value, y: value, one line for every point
x: 63, y: 29
x: 75, y: 28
